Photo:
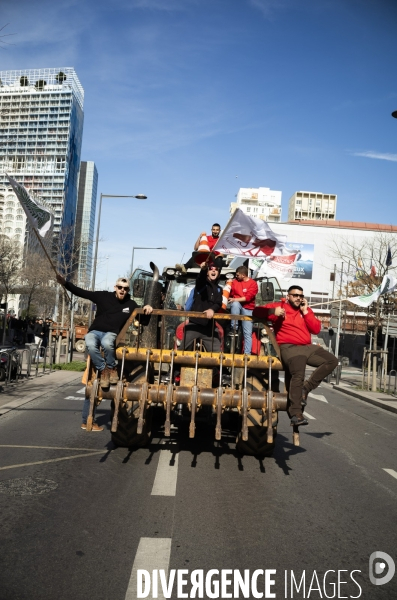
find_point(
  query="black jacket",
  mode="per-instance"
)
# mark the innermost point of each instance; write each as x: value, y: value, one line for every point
x: 207, y: 294
x: 111, y: 313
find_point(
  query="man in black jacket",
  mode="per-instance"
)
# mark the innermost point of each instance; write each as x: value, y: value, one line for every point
x: 113, y: 310
x: 208, y: 300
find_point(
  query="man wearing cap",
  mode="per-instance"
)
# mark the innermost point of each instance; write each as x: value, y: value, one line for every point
x: 113, y: 310
x: 207, y: 300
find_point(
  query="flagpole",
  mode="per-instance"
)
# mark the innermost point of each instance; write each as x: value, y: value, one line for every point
x: 49, y: 258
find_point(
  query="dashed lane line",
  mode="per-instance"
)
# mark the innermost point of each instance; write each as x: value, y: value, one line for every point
x: 306, y: 414
x: 319, y: 397
x: 391, y: 472
x: 166, y: 474
x: 152, y: 553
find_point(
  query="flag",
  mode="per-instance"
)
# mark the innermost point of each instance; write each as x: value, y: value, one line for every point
x: 388, y: 285
x: 39, y: 217
x: 366, y: 299
x: 250, y: 237
x: 388, y: 258
x: 373, y: 270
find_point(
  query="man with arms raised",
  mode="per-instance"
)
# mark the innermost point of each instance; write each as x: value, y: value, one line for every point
x: 113, y: 310
x: 293, y: 323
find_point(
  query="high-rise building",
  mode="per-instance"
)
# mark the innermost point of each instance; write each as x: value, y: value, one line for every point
x: 41, y: 127
x: 305, y: 206
x: 85, y: 221
x: 12, y: 215
x: 262, y: 203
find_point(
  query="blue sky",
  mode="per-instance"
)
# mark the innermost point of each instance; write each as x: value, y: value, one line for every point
x: 188, y: 100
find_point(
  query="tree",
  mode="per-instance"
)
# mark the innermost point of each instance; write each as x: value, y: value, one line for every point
x: 10, y: 265
x: 38, y: 281
x: 365, y: 263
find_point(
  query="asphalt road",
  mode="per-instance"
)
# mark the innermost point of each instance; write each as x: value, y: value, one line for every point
x: 79, y: 518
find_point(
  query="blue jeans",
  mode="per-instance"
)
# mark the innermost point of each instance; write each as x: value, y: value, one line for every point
x: 94, y: 340
x: 237, y: 309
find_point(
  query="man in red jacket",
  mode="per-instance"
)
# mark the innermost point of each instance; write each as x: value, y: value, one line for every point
x: 242, y: 302
x: 293, y: 323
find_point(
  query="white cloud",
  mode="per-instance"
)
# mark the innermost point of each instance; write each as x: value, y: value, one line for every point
x: 268, y: 7
x: 378, y: 155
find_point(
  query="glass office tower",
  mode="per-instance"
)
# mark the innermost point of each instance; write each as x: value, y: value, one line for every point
x: 41, y: 128
x: 85, y: 221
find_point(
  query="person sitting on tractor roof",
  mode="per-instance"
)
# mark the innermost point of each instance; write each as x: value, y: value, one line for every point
x: 113, y: 310
x: 211, y: 240
x: 208, y: 300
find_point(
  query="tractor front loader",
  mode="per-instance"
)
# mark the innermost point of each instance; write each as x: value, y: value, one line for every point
x: 223, y: 381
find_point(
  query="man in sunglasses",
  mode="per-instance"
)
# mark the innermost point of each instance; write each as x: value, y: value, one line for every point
x: 293, y: 323
x: 112, y: 311
x: 207, y: 300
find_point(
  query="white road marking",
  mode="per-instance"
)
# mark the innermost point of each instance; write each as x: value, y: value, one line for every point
x: 82, y: 391
x: 152, y: 553
x: 391, y: 472
x: 166, y: 475
x: 74, y: 398
x: 46, y: 447
x: 318, y: 397
x: 306, y: 414
x: 42, y: 462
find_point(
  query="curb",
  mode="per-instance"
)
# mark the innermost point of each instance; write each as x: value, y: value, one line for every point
x: 373, y: 401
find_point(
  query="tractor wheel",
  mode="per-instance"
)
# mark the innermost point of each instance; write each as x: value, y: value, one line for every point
x: 256, y: 445
x: 126, y: 435
x: 79, y: 346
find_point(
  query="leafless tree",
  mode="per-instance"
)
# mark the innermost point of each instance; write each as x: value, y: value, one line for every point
x: 4, y: 42
x: 38, y: 280
x: 365, y: 263
x: 10, y: 265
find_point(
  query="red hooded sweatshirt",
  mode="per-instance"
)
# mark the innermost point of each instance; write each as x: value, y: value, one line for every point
x: 294, y: 328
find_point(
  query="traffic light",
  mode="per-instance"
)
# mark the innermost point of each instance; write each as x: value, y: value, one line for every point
x: 335, y: 312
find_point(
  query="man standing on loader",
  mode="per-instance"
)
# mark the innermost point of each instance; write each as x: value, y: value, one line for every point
x: 113, y: 310
x: 293, y: 323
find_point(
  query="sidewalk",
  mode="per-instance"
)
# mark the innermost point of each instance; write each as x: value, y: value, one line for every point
x: 351, y: 378
x: 14, y: 395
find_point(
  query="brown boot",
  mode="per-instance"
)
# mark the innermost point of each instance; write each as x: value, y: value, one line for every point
x: 113, y: 375
x: 105, y: 375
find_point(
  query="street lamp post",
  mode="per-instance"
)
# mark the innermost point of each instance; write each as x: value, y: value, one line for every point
x: 141, y: 248
x: 138, y: 197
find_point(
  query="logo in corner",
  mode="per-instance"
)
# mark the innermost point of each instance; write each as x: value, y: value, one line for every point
x: 377, y: 566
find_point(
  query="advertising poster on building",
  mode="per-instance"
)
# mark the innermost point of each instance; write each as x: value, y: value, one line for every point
x: 296, y: 264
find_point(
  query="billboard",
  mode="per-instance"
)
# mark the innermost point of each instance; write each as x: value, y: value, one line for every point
x: 297, y: 264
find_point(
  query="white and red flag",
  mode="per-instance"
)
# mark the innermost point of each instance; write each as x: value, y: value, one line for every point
x: 250, y: 237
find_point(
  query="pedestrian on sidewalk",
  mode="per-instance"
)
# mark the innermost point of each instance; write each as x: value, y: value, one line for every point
x: 113, y: 310
x: 294, y: 323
